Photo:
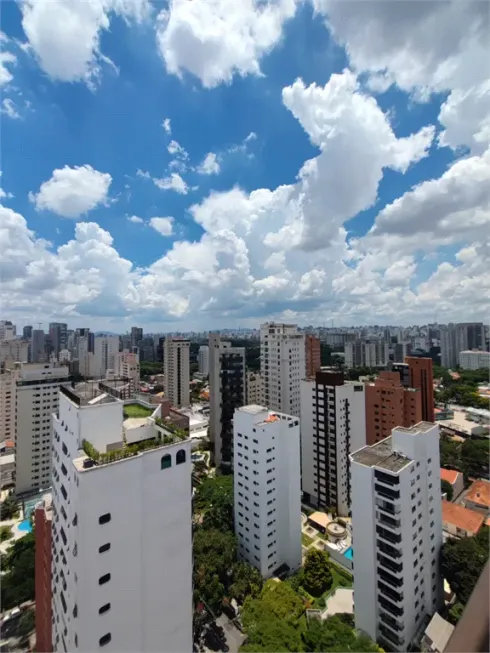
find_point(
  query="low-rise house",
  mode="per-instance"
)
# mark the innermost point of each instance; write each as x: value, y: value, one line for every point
x: 455, y: 479
x: 436, y: 635
x: 460, y: 521
x: 478, y: 497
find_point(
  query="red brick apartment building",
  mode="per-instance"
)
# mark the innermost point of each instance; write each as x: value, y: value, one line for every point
x: 422, y: 378
x: 43, y: 518
x: 313, y: 358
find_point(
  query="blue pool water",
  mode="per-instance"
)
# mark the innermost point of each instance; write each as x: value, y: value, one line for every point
x: 25, y: 526
x: 349, y: 553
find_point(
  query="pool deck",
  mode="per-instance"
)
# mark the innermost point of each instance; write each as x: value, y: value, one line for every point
x: 17, y: 534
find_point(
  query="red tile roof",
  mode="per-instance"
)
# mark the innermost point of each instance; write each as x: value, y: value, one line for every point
x: 449, y: 475
x: 464, y: 518
x: 479, y: 493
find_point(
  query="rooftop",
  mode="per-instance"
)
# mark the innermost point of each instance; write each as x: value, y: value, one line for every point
x: 253, y: 409
x: 439, y: 631
x: 479, y: 493
x: 449, y: 475
x: 381, y: 455
x: 460, y: 517
x: 86, y: 394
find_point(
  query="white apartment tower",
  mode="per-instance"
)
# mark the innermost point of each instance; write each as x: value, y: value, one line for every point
x: 106, y: 349
x: 366, y: 353
x: 397, y: 534
x: 226, y: 393
x: 122, y: 530
x: 14, y: 351
x: 37, y: 387
x: 267, y: 488
x: 176, y: 370
x: 7, y: 330
x: 203, y: 360
x: 127, y: 366
x: 333, y: 425
x: 282, y: 366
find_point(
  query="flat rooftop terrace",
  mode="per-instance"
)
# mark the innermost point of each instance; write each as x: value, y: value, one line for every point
x: 87, y: 394
x: 381, y: 455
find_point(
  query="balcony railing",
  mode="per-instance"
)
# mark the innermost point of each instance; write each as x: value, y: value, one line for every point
x: 388, y: 550
x: 394, y: 538
x: 385, y: 492
x: 389, y: 564
x: 397, y: 597
x: 394, y: 581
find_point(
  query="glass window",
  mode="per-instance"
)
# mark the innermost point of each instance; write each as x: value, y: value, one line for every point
x: 105, y: 639
x: 166, y: 461
x: 104, y: 519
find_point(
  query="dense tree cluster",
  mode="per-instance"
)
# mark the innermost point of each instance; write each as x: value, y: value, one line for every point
x: 9, y: 509
x: 462, y: 562
x: 464, y: 390
x: 317, y: 577
x: 470, y: 457
x: 18, y: 573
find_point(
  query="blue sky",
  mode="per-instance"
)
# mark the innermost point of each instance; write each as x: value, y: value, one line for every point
x: 380, y: 244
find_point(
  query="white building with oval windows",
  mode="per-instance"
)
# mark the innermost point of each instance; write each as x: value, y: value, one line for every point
x: 122, y: 529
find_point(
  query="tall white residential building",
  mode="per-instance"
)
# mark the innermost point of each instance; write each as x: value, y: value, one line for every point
x: 267, y: 488
x: 282, y: 366
x: 7, y: 330
x: 105, y: 350
x: 333, y: 425
x: 366, y: 353
x: 474, y: 359
x: 226, y: 393
x: 122, y: 529
x: 37, y: 387
x: 127, y: 366
x: 14, y: 351
x: 203, y: 360
x: 8, y: 398
x: 255, y: 390
x: 176, y: 368
x: 86, y: 361
x: 397, y: 534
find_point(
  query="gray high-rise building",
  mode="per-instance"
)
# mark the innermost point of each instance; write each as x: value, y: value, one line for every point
x: 136, y: 336
x: 38, y: 346
x: 460, y: 337
x: 58, y: 334
x: 27, y: 333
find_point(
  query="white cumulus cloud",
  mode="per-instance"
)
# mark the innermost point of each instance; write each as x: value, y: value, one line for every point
x: 135, y: 219
x: 209, y: 165
x: 167, y: 127
x: 9, y: 109
x: 173, y: 182
x: 72, y: 192
x: 164, y: 226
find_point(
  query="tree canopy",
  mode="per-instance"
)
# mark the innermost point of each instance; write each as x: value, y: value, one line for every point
x: 471, y: 457
x: 214, y: 500
x: 462, y: 562
x: 317, y: 577
x: 447, y: 489
x: 18, y: 579
x: 334, y: 634
x: 9, y: 508
x: 247, y: 581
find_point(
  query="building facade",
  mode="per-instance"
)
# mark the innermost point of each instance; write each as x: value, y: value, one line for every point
x: 397, y: 535
x: 38, y: 346
x: 255, y: 390
x: 366, y: 353
x: 7, y: 330
x: 37, y: 388
x: 58, y: 335
x: 474, y: 359
x: 282, y: 366
x: 388, y: 405
x: 14, y: 351
x: 43, y: 523
x: 176, y: 370
x: 422, y: 378
x: 333, y: 425
x: 106, y: 349
x: 108, y: 590
x: 203, y: 360
x: 313, y: 359
x: 227, y: 391
x: 267, y: 489
x: 460, y: 337
x: 8, y: 398
x: 127, y: 366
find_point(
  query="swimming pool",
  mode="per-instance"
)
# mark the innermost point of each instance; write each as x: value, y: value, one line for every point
x: 25, y: 526
x: 349, y: 553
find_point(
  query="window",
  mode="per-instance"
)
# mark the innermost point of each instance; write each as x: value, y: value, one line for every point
x: 104, y: 547
x: 104, y: 579
x: 104, y: 519
x: 166, y: 461
x: 105, y: 639
x: 105, y: 608
x: 180, y: 457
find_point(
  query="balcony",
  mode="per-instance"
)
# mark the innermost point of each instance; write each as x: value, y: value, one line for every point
x: 390, y: 622
x: 389, y: 607
x: 388, y: 507
x: 389, y: 564
x: 385, y: 576
x: 387, y: 479
x: 393, y: 639
x: 389, y: 521
x: 388, y: 550
x: 389, y: 593
x: 386, y: 493
x: 393, y: 538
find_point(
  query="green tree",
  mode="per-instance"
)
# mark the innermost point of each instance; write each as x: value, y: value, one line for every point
x: 455, y: 612
x: 334, y: 634
x: 9, y: 508
x: 450, y: 453
x: 214, y: 501
x: 462, y: 562
x: 447, y: 488
x: 246, y: 581
x: 214, y: 556
x: 18, y: 579
x: 475, y: 456
x: 5, y: 533
x: 317, y: 577
x: 27, y: 623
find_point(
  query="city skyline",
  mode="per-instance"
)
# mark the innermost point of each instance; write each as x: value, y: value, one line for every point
x: 293, y: 161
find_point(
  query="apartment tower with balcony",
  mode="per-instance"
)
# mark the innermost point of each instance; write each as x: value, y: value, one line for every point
x: 397, y: 535
x: 176, y: 369
x: 122, y: 529
x: 267, y: 489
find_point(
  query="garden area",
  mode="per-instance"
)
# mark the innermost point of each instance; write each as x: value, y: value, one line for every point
x: 135, y: 410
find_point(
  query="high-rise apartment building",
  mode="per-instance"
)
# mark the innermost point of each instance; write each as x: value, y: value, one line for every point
x: 267, y: 489
x: 8, y: 399
x: 177, y: 369
x: 282, y: 366
x: 397, y: 535
x: 401, y: 350
x: 147, y: 350
x: 388, y: 405
x: 203, y: 360
x: 37, y: 388
x: 136, y: 336
x: 27, y: 333
x: 127, y: 366
x: 14, y: 351
x: 366, y: 353
x: 333, y: 425
x: 43, y: 523
x: 313, y: 359
x: 58, y: 334
x: 474, y: 359
x: 38, y: 346
x: 255, y: 390
x: 108, y: 589
x: 86, y: 360
x: 7, y: 330
x: 422, y: 378
x: 226, y: 393
x: 460, y: 337
x: 106, y: 349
